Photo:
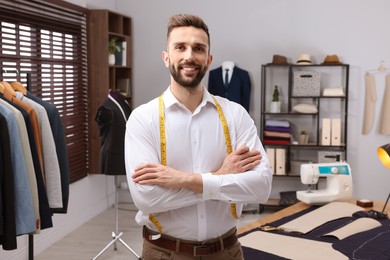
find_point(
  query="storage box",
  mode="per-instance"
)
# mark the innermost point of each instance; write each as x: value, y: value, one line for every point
x: 306, y: 83
x: 330, y: 156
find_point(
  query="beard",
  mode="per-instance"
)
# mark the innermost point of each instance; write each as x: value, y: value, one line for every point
x: 187, y: 83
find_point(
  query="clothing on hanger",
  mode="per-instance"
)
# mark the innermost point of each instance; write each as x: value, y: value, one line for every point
x: 239, y: 88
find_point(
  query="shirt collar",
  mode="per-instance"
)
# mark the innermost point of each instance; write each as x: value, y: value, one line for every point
x: 170, y: 99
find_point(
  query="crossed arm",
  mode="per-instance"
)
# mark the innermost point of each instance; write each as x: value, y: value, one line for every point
x: 238, y: 161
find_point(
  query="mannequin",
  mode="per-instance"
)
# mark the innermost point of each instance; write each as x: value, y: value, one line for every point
x: 111, y: 118
x: 238, y: 85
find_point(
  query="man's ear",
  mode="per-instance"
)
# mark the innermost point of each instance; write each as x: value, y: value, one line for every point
x: 209, y: 60
x: 165, y: 58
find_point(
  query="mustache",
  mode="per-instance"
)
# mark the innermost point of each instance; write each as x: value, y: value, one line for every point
x: 189, y: 63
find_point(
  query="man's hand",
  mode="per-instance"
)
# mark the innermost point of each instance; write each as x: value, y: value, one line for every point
x: 157, y: 174
x: 239, y: 161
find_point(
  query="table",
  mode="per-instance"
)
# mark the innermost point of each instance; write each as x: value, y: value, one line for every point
x: 315, y: 241
x: 295, y: 208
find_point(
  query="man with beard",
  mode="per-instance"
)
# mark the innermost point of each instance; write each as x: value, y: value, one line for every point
x: 192, y: 159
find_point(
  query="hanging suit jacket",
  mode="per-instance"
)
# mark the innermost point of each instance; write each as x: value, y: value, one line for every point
x: 239, y: 87
x: 59, y: 138
x: 111, y: 118
x: 7, y: 206
x: 44, y: 209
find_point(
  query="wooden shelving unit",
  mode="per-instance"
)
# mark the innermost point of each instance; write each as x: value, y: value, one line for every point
x: 102, y: 77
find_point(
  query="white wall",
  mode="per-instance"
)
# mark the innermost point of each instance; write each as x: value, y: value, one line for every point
x: 249, y: 33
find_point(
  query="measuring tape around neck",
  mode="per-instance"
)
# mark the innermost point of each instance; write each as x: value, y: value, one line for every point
x: 163, y: 150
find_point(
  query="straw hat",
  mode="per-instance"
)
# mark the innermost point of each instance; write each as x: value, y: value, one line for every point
x: 279, y: 60
x: 304, y: 59
x: 332, y: 59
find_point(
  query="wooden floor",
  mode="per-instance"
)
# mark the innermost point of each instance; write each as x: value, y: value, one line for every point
x: 95, y: 235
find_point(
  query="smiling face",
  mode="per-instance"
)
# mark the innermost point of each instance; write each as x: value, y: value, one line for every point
x: 187, y: 56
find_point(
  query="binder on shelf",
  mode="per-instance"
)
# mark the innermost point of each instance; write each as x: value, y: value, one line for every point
x: 280, y: 161
x: 271, y: 158
x: 336, y: 132
x: 325, y: 132
x: 124, y: 53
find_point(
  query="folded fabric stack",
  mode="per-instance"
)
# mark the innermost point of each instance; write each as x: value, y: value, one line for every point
x: 277, y: 132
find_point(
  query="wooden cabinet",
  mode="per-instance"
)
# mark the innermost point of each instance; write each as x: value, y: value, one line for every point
x: 313, y: 98
x: 103, y: 25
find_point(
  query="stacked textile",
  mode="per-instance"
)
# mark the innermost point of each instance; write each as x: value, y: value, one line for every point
x: 277, y: 132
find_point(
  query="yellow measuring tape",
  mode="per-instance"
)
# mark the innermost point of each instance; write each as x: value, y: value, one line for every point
x: 163, y: 148
x: 229, y: 149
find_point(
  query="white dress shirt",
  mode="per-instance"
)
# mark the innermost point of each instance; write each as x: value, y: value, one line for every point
x: 195, y: 143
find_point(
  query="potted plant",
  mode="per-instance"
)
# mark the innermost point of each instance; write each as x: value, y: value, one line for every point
x: 303, y: 137
x: 112, y: 49
x: 275, y: 103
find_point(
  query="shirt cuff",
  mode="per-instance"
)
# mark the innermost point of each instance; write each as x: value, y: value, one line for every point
x: 210, y: 186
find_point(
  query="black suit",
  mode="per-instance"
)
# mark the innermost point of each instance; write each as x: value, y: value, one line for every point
x: 238, y: 89
x: 111, y: 118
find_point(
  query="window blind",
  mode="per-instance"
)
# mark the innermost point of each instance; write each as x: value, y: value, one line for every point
x: 47, y: 39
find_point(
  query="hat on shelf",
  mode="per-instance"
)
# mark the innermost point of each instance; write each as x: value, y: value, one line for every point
x: 304, y: 59
x: 279, y: 60
x: 332, y: 59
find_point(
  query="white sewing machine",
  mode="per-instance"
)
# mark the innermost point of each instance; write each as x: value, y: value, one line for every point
x: 338, y: 182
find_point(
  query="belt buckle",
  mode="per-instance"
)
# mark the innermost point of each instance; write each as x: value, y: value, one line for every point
x: 195, y: 253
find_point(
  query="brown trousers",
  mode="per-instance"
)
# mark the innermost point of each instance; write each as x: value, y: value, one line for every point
x: 153, y: 252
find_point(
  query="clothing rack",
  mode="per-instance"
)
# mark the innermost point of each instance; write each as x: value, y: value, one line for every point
x: 30, y: 236
x: 28, y: 85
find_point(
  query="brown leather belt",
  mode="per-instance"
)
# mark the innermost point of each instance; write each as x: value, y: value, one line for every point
x: 196, y: 248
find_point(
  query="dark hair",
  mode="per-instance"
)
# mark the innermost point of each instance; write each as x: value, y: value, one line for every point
x: 182, y: 20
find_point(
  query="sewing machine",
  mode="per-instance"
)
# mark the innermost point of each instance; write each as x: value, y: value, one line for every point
x: 338, y: 182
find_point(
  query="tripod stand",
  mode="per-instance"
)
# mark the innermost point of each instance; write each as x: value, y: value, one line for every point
x: 115, y: 236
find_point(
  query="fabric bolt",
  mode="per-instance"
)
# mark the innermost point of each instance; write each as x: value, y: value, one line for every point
x: 186, y: 144
x: 50, y: 159
x: 277, y: 134
x: 278, y: 129
x: 277, y: 123
x: 384, y: 123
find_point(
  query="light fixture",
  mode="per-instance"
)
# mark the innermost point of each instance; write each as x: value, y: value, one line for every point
x: 384, y: 156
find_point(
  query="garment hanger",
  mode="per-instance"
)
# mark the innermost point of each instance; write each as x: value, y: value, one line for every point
x: 381, y: 69
x: 17, y: 86
x: 8, y: 89
x: 2, y: 88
